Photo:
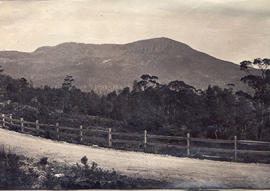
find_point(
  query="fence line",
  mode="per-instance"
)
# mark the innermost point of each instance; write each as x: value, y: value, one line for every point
x: 80, y: 133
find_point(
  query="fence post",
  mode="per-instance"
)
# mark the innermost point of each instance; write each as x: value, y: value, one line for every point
x: 81, y: 133
x: 22, y: 125
x: 57, y: 130
x: 37, y: 124
x: 235, y: 148
x: 188, y: 144
x: 110, y: 137
x: 4, y: 122
x: 145, y: 139
x: 10, y: 118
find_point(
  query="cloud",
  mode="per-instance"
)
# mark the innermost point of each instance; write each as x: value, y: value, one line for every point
x: 24, y: 0
x: 227, y: 29
x: 229, y: 8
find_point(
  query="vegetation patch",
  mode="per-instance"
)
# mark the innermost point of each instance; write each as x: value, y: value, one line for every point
x: 19, y: 172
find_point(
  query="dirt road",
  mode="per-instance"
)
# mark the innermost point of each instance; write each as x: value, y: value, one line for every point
x: 180, y: 172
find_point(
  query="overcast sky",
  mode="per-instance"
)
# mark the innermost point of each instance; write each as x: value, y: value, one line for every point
x: 232, y: 30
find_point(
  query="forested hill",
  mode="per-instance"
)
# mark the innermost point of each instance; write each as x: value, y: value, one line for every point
x: 108, y: 66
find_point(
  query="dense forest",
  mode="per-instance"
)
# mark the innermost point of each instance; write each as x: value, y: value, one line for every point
x: 174, y: 108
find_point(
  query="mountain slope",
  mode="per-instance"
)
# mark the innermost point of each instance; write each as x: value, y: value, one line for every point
x: 108, y: 66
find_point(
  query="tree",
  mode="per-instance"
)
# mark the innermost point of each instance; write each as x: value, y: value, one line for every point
x: 68, y: 83
x: 2, y: 87
x: 259, y: 81
x: 1, y: 69
x: 67, y: 86
x: 220, y: 107
x: 147, y: 81
x: 180, y: 85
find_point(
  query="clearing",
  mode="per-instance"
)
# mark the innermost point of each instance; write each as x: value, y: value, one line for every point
x: 180, y: 172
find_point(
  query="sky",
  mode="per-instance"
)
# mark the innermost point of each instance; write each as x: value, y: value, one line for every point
x: 232, y: 30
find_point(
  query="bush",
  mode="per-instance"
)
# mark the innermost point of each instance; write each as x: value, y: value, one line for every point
x: 11, y: 175
x: 84, y: 161
x: 43, y: 161
x: 18, y: 172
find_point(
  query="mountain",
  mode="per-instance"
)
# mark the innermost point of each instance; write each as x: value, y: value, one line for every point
x: 106, y: 67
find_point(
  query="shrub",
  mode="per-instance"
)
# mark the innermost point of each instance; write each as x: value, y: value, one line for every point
x: 18, y: 172
x: 84, y: 161
x: 11, y: 175
x: 43, y: 161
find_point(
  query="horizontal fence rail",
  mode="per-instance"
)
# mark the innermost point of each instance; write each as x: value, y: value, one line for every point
x: 107, y: 137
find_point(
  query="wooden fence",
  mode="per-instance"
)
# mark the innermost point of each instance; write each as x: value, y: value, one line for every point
x: 106, y: 137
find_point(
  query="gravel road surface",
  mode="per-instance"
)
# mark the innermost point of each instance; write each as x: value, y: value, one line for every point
x: 180, y: 172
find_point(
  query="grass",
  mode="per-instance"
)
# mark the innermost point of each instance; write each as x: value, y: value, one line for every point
x: 11, y: 175
x: 19, y: 172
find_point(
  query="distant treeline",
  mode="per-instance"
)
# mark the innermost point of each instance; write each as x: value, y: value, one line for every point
x: 171, y: 109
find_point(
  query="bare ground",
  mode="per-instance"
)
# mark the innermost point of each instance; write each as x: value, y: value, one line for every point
x: 180, y: 172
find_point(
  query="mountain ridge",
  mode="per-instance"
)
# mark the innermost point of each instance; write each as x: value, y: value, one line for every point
x: 105, y: 67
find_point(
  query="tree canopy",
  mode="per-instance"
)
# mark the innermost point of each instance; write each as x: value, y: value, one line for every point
x: 174, y: 108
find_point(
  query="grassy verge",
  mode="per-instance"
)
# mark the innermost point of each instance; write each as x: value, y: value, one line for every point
x: 19, y: 172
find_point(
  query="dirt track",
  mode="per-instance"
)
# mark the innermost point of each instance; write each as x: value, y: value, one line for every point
x: 181, y: 172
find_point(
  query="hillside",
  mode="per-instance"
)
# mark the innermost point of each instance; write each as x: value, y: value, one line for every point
x: 109, y: 66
